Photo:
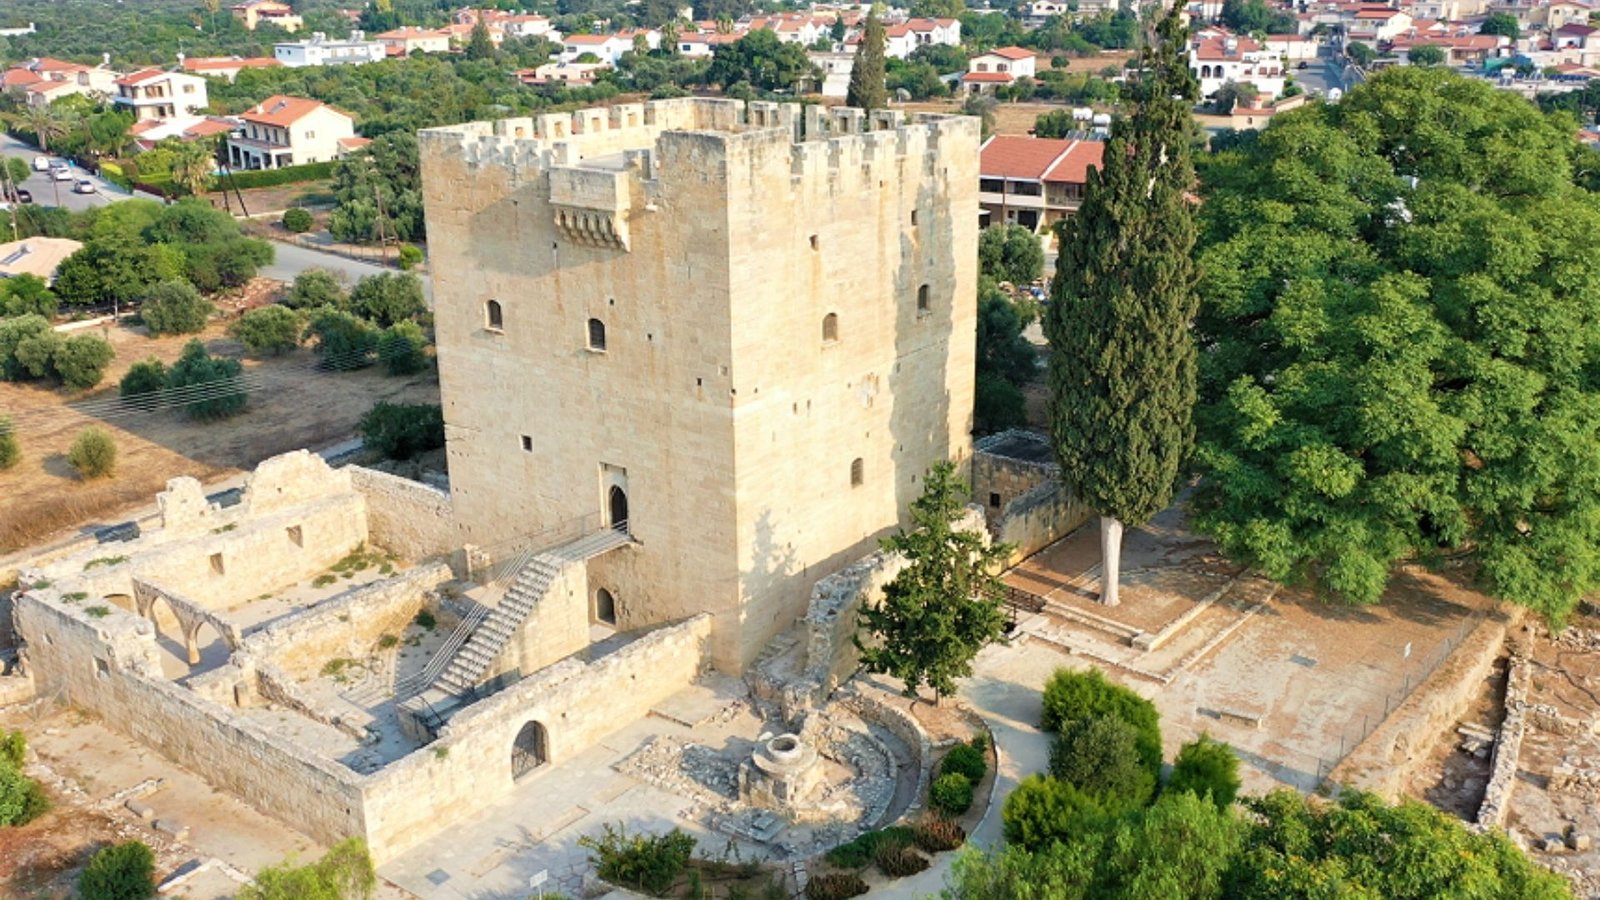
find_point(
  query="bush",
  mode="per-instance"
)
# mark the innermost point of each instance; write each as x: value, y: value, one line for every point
x: 36, y: 355
x: 1098, y: 755
x: 835, y: 886
x: 13, y: 749
x: 298, y: 220
x: 14, y: 333
x: 119, y: 872
x: 344, y: 872
x: 899, y: 861
x: 1070, y: 696
x: 211, y: 385
x: 80, y: 361
x: 22, y: 295
x: 410, y: 256
x: 1205, y: 767
x: 643, y: 862
x: 387, y: 298
x: 21, y: 798
x: 93, y: 453
x: 402, y: 349
x: 10, y: 451
x: 951, y: 794
x: 271, y: 329
x: 402, y: 430
x: 226, y: 264
x: 980, y: 742
x: 857, y: 853
x: 175, y: 307
x: 344, y: 341
x: 936, y: 834
x: 1044, y: 809
x: 144, y: 381
x: 260, y: 178
x: 964, y: 759
x: 315, y: 288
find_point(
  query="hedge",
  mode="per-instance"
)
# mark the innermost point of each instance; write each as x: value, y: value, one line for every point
x: 113, y: 173
x: 260, y: 178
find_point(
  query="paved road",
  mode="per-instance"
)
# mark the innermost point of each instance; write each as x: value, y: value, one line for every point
x: 45, y: 191
x: 1322, y: 73
x: 292, y: 259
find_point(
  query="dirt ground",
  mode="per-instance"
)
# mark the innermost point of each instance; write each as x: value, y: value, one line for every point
x: 275, y: 199
x: 296, y: 406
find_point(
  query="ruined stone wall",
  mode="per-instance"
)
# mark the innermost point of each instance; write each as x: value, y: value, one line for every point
x: 110, y: 666
x: 711, y: 256
x: 997, y: 479
x: 346, y: 626
x: 407, y: 518
x: 1029, y: 508
x: 1037, y: 519
x: 578, y: 704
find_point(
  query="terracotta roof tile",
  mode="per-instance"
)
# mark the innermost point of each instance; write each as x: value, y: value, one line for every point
x: 1011, y: 156
x: 1073, y: 167
x: 281, y: 111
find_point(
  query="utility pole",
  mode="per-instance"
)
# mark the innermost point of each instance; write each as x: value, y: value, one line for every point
x: 13, y: 200
x: 383, y: 239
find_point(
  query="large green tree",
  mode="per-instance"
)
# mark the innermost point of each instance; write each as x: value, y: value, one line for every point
x: 945, y: 605
x: 867, y: 88
x: 761, y: 60
x: 379, y: 192
x: 1402, y: 332
x: 1122, y: 366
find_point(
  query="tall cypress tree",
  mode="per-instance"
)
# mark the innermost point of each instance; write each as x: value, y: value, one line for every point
x: 867, y: 76
x: 1122, y: 362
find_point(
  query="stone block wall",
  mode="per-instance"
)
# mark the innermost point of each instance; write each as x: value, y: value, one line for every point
x: 1037, y: 519
x: 1016, y: 480
x: 577, y: 703
x: 407, y: 518
x: 557, y: 628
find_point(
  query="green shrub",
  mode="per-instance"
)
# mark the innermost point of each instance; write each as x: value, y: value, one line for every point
x: 835, y: 886
x: 21, y: 798
x: 268, y: 329
x: 1205, y: 767
x: 1098, y: 755
x: 410, y: 256
x: 345, y: 341
x: 298, y: 220
x: 211, y: 384
x: 860, y: 851
x: 316, y: 288
x: 980, y: 742
x: 24, y: 294
x: 119, y: 872
x: 951, y: 794
x: 387, y: 298
x: 936, y: 834
x: 642, y: 862
x: 402, y: 349
x: 36, y: 354
x: 80, y: 362
x: 401, y: 430
x: 144, y: 381
x: 899, y: 860
x: 10, y: 450
x: 260, y: 178
x: 13, y: 749
x: 343, y: 873
x: 14, y: 333
x: 967, y: 760
x: 1070, y: 696
x: 425, y: 620
x: 175, y: 307
x: 1043, y: 809
x: 93, y: 453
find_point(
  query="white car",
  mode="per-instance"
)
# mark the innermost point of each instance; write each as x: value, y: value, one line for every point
x: 41, y: 163
x: 61, y: 173
x: 83, y: 186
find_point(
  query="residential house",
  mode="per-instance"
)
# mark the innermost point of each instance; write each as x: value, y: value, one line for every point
x: 901, y: 39
x: 411, y: 39
x: 502, y: 25
x: 1575, y: 36
x: 570, y: 73
x: 1042, y: 11
x: 45, y: 80
x: 226, y: 67
x: 1217, y: 57
x: 607, y: 48
x: 1255, y: 112
x: 1459, y: 49
x: 150, y: 132
x: 319, y: 51
x: 704, y: 44
x: 791, y: 28
x: 997, y: 68
x: 36, y: 256
x: 1373, y: 25
x: 1033, y: 182
x: 1561, y: 12
x: 835, y: 68
x: 253, y: 13
x: 155, y: 94
x: 289, y: 131
x: 1292, y: 48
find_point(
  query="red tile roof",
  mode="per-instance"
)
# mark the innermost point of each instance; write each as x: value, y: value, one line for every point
x: 204, y: 64
x: 1010, y: 52
x: 19, y: 77
x: 281, y: 111
x: 1011, y: 156
x: 140, y: 77
x: 989, y: 77
x: 1074, y: 165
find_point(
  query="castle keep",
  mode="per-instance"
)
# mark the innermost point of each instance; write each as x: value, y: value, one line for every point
x: 740, y: 332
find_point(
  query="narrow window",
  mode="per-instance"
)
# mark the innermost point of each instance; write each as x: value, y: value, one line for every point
x: 994, y: 500
x: 922, y: 299
x: 216, y: 563
x: 597, y: 335
x: 913, y: 217
x: 527, y: 443
x: 493, y: 317
x: 814, y: 244
x: 296, y: 536
x: 830, y: 327
x: 857, y: 472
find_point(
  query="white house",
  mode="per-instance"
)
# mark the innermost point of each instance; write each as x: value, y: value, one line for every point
x: 997, y: 68
x: 319, y: 51
x: 1217, y: 57
x: 608, y: 48
x: 154, y: 94
x: 900, y: 40
x: 289, y: 131
x: 410, y: 39
x: 836, y: 69
x: 1042, y: 11
x: 225, y: 67
x: 1292, y: 47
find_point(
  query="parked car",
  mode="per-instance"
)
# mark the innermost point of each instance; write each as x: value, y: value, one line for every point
x: 18, y: 195
x: 1303, y: 64
x: 83, y: 186
x: 41, y: 163
x: 61, y: 173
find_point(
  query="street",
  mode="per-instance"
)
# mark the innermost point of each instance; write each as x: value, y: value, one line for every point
x: 45, y: 191
x: 1322, y: 73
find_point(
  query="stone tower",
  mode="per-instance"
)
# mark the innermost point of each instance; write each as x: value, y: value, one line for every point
x: 747, y: 329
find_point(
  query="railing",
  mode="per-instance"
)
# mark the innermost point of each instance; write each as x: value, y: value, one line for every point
x: 1023, y: 600
x: 508, y: 557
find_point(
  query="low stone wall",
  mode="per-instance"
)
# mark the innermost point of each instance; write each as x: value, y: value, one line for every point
x: 1385, y: 761
x: 346, y: 626
x: 409, y: 519
x: 576, y: 703
x: 275, y: 686
x: 869, y: 703
x: 1508, y: 744
x: 1038, y: 519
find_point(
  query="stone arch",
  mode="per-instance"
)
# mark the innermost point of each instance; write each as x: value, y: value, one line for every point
x: 830, y: 328
x: 617, y: 507
x: 530, y: 750
x: 494, y: 317
x: 597, y: 334
x: 605, y: 607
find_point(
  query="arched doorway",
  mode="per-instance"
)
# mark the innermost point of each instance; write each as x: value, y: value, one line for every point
x: 529, y: 751
x: 617, y: 502
x: 605, y: 607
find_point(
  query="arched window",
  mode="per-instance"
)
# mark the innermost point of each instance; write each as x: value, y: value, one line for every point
x: 493, y: 318
x: 922, y: 299
x: 830, y: 327
x: 597, y: 334
x: 857, y: 472
x: 605, y: 607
